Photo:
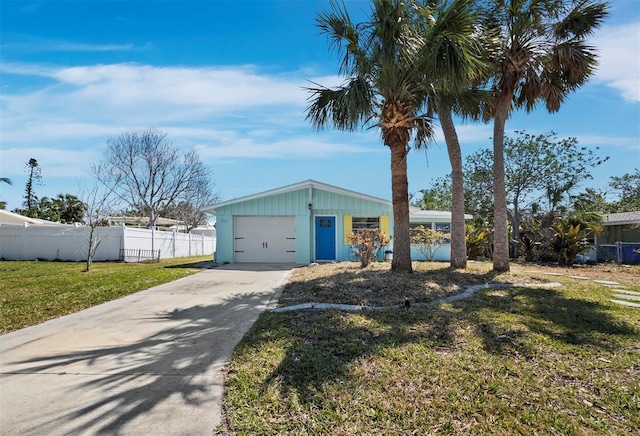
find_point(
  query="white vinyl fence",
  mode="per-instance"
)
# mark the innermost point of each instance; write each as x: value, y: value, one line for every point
x: 70, y: 243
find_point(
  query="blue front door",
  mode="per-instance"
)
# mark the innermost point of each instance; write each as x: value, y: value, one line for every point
x: 325, y: 238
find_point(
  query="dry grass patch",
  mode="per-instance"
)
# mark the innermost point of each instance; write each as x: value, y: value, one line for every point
x: 377, y: 285
x: 624, y: 274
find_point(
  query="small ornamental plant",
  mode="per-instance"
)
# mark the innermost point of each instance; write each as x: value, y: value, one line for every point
x: 367, y: 243
x: 428, y: 241
x: 568, y: 241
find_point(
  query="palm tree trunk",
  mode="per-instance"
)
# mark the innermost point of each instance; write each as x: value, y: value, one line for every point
x: 400, y: 199
x: 458, y: 235
x: 501, y: 235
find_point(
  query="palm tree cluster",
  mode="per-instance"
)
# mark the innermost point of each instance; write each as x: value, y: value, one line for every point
x: 414, y: 60
x: 65, y: 209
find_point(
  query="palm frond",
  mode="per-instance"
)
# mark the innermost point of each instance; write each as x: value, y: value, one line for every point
x: 582, y: 20
x: 530, y: 90
x: 343, y: 35
x: 346, y: 107
x: 575, y: 59
x: 470, y: 103
x: 424, y: 131
x: 553, y: 95
x: 455, y: 51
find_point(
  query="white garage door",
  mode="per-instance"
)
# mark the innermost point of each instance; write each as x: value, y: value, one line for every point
x: 264, y: 239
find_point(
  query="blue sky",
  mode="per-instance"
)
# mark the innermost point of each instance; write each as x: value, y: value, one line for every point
x: 227, y: 78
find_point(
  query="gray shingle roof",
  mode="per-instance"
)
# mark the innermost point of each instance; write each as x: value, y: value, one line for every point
x: 617, y: 219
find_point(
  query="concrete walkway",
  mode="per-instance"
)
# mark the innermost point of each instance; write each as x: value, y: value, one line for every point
x: 149, y: 363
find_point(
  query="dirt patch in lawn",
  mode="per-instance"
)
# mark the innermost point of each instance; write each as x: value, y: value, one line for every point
x: 377, y: 285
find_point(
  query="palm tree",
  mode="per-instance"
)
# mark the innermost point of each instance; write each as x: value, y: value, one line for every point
x: 70, y: 208
x: 391, y: 66
x: 543, y: 57
x: 459, y: 47
x: 3, y: 204
x: 384, y: 87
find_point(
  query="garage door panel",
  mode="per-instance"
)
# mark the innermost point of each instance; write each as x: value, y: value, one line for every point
x: 264, y: 239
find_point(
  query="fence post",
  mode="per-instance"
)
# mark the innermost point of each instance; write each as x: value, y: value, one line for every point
x: 619, y: 252
x: 23, y: 255
x: 174, y: 242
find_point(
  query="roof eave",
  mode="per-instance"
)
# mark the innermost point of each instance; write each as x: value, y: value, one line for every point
x: 294, y: 187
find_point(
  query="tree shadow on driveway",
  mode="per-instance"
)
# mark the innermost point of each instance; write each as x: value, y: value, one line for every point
x: 171, y: 376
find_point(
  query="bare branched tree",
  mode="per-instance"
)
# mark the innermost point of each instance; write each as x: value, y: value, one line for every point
x: 148, y: 173
x: 100, y: 202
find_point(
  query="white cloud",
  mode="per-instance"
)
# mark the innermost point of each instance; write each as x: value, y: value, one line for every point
x: 54, y: 162
x: 28, y: 44
x: 619, y: 143
x: 41, y: 131
x: 619, y: 59
x: 21, y: 69
x: 87, y: 105
x: 215, y: 89
x: 72, y: 46
x: 291, y: 148
x: 128, y: 95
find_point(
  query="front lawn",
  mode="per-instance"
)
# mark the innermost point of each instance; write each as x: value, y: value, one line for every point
x: 506, y: 361
x: 34, y: 292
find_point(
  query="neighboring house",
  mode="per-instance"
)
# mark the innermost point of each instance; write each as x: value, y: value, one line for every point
x: 141, y: 222
x: 620, y: 227
x: 436, y: 220
x: 14, y: 219
x: 304, y: 222
x: 620, y: 238
x: 208, y: 229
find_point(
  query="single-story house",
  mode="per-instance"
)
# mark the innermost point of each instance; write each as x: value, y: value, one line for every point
x: 620, y: 238
x: 141, y: 222
x: 13, y: 219
x: 620, y: 227
x: 306, y: 222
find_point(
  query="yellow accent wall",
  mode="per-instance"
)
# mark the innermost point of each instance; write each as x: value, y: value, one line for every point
x: 384, y: 224
x: 348, y: 227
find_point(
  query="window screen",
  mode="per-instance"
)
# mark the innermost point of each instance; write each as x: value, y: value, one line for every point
x: 425, y: 225
x: 360, y: 223
x: 443, y: 227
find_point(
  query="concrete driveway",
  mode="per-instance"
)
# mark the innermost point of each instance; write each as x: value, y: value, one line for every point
x: 149, y: 363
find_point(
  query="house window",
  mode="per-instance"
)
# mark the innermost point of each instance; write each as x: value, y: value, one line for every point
x: 361, y: 223
x: 446, y: 229
x: 443, y: 227
x: 353, y: 224
x: 416, y: 225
